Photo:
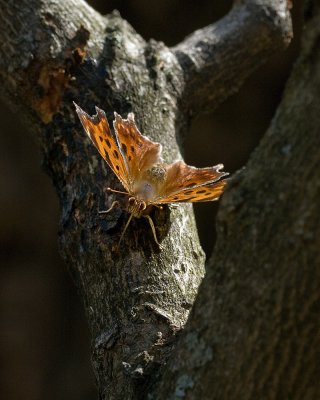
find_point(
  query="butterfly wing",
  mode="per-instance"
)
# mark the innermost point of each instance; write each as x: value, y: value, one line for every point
x: 205, y: 192
x: 130, y: 155
x: 140, y: 152
x: 185, y: 183
x: 98, y: 130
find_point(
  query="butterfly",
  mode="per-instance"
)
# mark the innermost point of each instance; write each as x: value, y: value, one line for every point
x: 147, y: 180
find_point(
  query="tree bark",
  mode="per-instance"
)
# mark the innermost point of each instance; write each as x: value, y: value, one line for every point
x: 136, y: 298
x: 254, y: 331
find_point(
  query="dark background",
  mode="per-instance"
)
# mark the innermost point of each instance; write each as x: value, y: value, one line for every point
x: 45, y: 344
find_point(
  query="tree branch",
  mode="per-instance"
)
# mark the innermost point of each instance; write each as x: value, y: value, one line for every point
x: 254, y: 332
x: 136, y: 299
x: 217, y: 59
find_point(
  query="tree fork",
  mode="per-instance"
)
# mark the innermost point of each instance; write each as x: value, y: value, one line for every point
x: 52, y: 53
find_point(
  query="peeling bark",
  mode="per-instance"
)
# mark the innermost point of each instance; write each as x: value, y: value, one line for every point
x: 136, y: 298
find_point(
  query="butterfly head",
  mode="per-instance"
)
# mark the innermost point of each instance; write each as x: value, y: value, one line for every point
x: 136, y: 206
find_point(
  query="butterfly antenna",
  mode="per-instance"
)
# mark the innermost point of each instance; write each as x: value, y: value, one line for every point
x: 117, y: 191
x: 125, y: 228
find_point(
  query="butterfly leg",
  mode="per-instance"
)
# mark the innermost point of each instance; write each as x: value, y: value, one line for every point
x: 115, y: 203
x: 125, y: 228
x: 152, y: 228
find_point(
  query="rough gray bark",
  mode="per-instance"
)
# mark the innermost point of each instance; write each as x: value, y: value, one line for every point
x: 138, y: 298
x: 254, y: 331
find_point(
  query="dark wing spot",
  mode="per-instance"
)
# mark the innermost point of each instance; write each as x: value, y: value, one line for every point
x: 132, y: 149
x: 200, y: 191
x: 175, y: 198
x: 124, y: 148
x: 103, y: 153
x: 188, y: 192
x: 116, y: 154
x: 117, y: 167
x: 101, y: 138
x: 191, y: 184
x: 129, y: 158
x: 108, y: 143
x: 208, y: 194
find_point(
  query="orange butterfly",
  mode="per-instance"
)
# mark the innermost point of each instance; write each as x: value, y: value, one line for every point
x: 136, y: 162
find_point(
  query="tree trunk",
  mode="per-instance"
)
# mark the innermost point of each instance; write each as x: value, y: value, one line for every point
x: 253, y: 331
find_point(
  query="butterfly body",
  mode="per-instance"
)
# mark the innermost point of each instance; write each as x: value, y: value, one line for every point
x: 136, y: 207
x: 147, y: 187
x: 147, y: 180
